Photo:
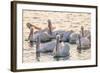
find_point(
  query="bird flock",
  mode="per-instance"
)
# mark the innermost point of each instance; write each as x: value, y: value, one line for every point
x: 57, y: 42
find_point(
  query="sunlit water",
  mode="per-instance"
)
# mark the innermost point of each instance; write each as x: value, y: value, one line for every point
x: 62, y: 21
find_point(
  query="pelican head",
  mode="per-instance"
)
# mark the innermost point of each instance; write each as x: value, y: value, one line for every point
x: 29, y: 25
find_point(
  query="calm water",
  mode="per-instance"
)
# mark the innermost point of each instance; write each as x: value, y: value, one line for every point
x: 61, y: 20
